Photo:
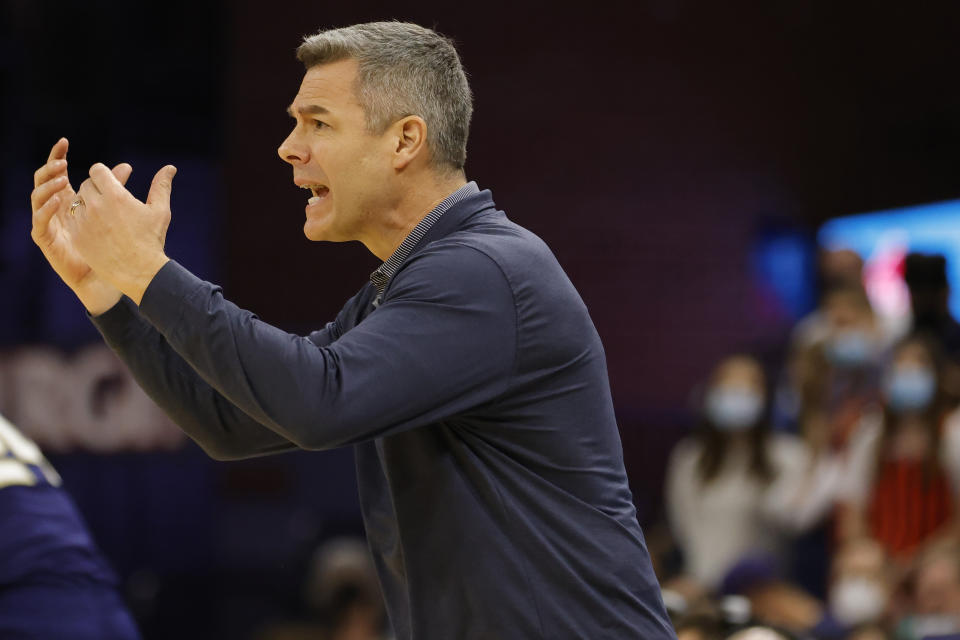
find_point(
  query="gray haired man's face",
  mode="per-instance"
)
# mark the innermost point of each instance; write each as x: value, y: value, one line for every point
x: 346, y: 168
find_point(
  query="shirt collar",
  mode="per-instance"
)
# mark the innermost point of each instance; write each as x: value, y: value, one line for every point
x: 381, y: 277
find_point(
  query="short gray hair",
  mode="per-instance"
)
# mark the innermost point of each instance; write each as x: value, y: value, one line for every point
x: 404, y: 70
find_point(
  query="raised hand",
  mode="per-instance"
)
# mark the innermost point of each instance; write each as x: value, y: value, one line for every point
x: 120, y: 237
x: 50, y: 201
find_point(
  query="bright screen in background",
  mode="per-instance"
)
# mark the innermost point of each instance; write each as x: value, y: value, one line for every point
x: 884, y: 238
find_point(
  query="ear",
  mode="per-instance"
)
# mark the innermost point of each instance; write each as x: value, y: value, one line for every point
x: 411, y: 140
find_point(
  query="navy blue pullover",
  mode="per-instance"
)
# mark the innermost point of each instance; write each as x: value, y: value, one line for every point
x: 476, y: 397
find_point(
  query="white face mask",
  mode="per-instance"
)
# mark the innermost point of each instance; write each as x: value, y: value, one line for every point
x: 733, y: 408
x: 857, y: 600
x: 910, y: 388
x: 850, y: 348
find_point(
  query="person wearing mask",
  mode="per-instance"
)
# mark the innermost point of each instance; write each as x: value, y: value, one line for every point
x: 836, y: 381
x: 54, y: 583
x: 935, y: 610
x: 838, y: 378
x: 903, y: 469
x: 837, y: 269
x: 733, y: 487
x: 860, y: 588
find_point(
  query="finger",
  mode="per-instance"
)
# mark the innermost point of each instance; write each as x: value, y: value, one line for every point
x: 91, y: 188
x: 59, y: 150
x: 122, y: 172
x: 101, y: 178
x: 88, y: 193
x: 69, y: 220
x: 48, y: 171
x: 57, y: 153
x: 42, y: 216
x: 42, y: 193
x: 161, y: 187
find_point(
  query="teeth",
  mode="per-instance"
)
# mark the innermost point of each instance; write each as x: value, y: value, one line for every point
x: 313, y: 200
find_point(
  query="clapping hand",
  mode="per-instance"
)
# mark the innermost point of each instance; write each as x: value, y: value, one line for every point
x: 120, y: 237
x: 50, y: 201
x: 100, y: 240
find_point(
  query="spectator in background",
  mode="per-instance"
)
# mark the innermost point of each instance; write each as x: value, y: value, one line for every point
x: 54, y: 584
x: 734, y: 487
x: 837, y: 378
x: 772, y: 599
x: 936, y: 595
x: 859, y: 594
x: 860, y: 587
x: 904, y: 468
x: 342, y: 586
x: 869, y: 632
x: 837, y: 268
x: 705, y: 624
x: 835, y: 381
x: 935, y: 607
x: 926, y: 277
x: 342, y: 597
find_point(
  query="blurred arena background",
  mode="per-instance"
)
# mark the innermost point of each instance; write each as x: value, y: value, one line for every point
x: 679, y: 157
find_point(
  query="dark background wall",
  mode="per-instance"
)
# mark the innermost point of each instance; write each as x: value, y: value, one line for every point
x: 650, y: 144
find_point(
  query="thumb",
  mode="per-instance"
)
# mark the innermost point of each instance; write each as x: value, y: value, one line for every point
x: 160, y: 187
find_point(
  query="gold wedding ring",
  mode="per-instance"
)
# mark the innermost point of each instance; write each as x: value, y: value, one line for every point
x: 76, y: 203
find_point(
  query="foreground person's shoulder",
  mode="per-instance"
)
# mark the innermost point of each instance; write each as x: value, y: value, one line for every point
x: 451, y: 265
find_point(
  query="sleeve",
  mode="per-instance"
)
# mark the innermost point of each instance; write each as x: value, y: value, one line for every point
x: 805, y: 487
x: 219, y: 427
x: 442, y: 342
x: 950, y: 450
x: 861, y: 461
x: 681, y: 493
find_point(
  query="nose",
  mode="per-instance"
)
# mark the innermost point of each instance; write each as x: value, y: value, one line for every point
x: 291, y: 151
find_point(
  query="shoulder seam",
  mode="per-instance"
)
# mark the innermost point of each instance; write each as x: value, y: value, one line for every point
x: 516, y: 311
x: 513, y: 295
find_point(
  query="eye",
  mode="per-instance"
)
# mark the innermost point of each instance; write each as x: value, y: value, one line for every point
x: 320, y: 124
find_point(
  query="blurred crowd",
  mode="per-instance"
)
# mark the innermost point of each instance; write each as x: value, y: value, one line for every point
x: 820, y: 500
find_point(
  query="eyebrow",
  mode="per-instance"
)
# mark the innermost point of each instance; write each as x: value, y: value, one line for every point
x: 309, y: 109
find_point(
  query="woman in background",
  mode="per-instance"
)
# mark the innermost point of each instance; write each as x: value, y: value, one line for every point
x: 904, y: 461
x: 733, y: 487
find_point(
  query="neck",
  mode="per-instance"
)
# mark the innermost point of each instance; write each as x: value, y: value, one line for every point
x: 410, y: 207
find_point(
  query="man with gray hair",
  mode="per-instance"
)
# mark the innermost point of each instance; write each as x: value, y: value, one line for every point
x: 467, y: 373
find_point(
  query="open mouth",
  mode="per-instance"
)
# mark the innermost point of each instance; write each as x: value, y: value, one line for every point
x: 317, y: 191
